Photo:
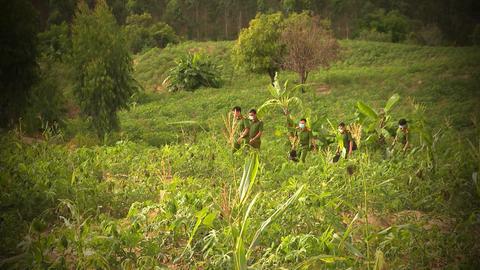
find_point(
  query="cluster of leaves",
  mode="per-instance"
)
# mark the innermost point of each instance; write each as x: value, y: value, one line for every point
x: 103, y: 67
x: 300, y: 43
x: 143, y: 33
x: 383, y: 26
x: 191, y: 72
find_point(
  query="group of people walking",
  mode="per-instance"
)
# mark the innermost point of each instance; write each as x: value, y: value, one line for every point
x: 248, y: 132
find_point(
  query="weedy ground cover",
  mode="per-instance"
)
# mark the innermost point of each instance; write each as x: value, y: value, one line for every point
x: 164, y: 192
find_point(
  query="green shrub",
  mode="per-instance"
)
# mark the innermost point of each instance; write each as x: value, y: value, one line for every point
x: 103, y: 68
x: 142, y: 33
x: 393, y: 24
x: 192, y: 72
x: 373, y: 35
x: 55, y: 42
x: 47, y: 105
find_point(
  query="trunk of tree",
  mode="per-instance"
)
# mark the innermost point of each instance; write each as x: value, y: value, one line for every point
x: 347, y: 30
x: 240, y: 21
x: 197, y: 22
x: 225, y: 13
x: 271, y: 73
x: 303, y: 78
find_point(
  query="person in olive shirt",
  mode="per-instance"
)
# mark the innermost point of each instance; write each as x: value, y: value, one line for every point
x: 241, y: 128
x: 304, y: 137
x: 403, y: 135
x: 348, y: 143
x: 255, y: 130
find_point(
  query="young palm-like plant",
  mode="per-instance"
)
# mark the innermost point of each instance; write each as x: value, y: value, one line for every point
x: 283, y: 97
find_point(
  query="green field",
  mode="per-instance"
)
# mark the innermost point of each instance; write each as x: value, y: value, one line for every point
x: 163, y: 191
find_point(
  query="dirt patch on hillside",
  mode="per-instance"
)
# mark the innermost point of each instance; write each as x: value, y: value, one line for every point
x: 322, y: 89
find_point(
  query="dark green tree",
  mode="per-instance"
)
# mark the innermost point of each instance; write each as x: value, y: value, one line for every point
x: 258, y: 48
x: 18, y: 52
x: 103, y: 66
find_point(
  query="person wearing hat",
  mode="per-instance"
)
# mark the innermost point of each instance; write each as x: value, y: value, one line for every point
x: 403, y: 135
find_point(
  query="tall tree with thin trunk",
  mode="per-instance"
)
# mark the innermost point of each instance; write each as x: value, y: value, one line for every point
x: 103, y: 66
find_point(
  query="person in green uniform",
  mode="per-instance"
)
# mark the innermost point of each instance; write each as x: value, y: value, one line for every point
x: 403, y: 135
x: 347, y: 139
x: 241, y: 128
x: 304, y: 137
x: 255, y: 131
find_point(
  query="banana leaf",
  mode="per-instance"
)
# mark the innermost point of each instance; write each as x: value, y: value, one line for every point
x: 391, y: 102
x: 367, y: 110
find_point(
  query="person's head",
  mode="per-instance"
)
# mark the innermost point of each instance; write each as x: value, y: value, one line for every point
x: 342, y: 127
x: 252, y: 115
x: 237, y: 111
x: 302, y: 124
x: 402, y: 124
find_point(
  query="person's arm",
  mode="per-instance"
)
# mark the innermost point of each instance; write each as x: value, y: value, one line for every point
x: 256, y: 136
x: 245, y: 132
x: 259, y: 134
x: 350, y: 147
x: 311, y: 142
x: 395, y: 139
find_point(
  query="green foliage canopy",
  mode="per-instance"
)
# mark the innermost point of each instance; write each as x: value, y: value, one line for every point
x: 103, y: 79
x: 257, y: 48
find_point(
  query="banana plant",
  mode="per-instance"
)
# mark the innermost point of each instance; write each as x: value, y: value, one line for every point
x: 375, y: 122
x: 283, y: 97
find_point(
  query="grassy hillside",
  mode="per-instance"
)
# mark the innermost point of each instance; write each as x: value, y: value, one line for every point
x: 444, y: 79
x: 165, y: 193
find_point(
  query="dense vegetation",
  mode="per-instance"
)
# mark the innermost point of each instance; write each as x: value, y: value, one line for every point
x: 117, y: 161
x: 164, y: 191
x: 424, y: 22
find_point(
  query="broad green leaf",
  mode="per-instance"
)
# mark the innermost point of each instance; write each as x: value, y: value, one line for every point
x: 391, y: 102
x: 367, y: 110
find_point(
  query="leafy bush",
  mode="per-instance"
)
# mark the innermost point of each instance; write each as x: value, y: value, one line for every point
x: 103, y: 79
x: 47, y: 104
x: 394, y: 24
x: 55, y: 42
x: 373, y: 35
x: 142, y: 33
x: 192, y: 72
